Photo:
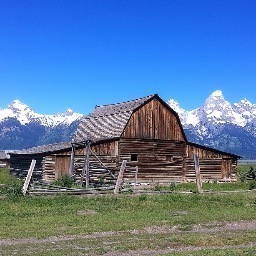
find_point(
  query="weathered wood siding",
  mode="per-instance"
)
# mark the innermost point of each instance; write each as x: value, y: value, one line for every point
x: 153, y: 121
x: 109, y: 148
x: 158, y: 161
x: 56, y: 165
x: 213, y: 165
x: 19, y: 166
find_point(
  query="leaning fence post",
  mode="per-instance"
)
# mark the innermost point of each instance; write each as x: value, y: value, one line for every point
x: 120, y: 177
x: 198, y: 174
x: 28, y: 178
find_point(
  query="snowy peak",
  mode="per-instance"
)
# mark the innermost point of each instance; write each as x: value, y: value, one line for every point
x: 186, y: 117
x: 246, y: 109
x: 217, y: 94
x: 25, y: 115
x: 68, y: 112
x: 17, y: 106
x: 216, y: 110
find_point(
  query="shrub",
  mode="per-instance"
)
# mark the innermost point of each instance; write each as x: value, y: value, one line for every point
x: 10, y: 185
x: 252, y: 185
x: 15, y: 190
x: 64, y: 181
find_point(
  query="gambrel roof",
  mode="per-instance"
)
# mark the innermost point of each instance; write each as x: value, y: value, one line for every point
x: 109, y: 121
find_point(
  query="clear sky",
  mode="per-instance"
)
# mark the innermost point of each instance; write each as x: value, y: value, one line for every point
x: 60, y: 54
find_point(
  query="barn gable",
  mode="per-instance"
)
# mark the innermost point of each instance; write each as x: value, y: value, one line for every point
x: 154, y: 120
x: 148, y: 117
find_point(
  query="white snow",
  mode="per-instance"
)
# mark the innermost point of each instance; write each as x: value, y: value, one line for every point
x: 217, y: 110
x: 217, y: 93
x: 25, y: 115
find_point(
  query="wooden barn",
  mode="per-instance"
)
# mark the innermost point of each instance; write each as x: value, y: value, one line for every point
x: 145, y: 132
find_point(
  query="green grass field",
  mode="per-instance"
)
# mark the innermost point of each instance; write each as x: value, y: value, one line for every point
x: 175, y: 223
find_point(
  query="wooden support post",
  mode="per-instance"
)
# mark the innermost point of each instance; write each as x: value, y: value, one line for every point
x: 72, y: 160
x: 28, y: 178
x: 120, y: 177
x: 136, y: 177
x: 198, y: 174
x: 87, y: 174
x: 85, y: 171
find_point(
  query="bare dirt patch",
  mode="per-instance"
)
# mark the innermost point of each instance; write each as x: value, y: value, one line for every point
x: 199, y: 228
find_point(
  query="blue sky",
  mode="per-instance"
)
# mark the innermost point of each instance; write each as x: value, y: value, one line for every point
x: 76, y: 54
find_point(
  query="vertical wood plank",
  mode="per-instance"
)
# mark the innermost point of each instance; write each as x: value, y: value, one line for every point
x: 28, y: 178
x: 120, y: 177
x: 198, y: 174
x: 71, y: 168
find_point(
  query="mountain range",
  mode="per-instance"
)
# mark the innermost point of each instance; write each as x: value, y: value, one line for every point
x: 21, y: 127
x: 217, y: 124
x: 221, y: 125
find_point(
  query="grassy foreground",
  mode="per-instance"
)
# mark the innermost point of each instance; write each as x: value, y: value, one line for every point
x: 77, y: 225
x: 161, y: 224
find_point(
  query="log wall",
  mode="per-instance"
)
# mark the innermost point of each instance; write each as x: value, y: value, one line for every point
x: 213, y: 165
x: 158, y: 161
x: 19, y: 166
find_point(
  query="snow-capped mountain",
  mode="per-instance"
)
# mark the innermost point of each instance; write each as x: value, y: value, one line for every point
x: 220, y: 124
x: 217, y: 110
x: 25, y: 115
x: 21, y: 127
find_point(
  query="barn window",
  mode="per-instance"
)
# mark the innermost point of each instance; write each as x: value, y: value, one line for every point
x: 169, y: 158
x: 134, y: 157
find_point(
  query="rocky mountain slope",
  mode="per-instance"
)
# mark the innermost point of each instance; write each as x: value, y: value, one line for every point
x: 221, y: 125
x: 21, y: 127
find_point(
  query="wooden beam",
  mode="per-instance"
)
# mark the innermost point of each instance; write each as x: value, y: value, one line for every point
x: 72, y: 160
x: 198, y: 174
x: 120, y: 177
x: 28, y: 178
x: 86, y: 166
x: 87, y: 174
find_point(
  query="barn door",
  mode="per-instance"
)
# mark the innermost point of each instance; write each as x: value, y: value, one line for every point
x: 62, y: 164
x: 226, y: 168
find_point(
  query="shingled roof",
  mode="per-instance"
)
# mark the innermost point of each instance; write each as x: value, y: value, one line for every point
x: 44, y: 149
x: 108, y: 121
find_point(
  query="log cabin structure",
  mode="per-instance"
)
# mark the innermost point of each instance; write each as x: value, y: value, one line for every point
x: 146, y: 132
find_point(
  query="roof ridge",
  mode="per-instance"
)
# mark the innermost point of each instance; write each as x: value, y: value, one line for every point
x: 128, y: 101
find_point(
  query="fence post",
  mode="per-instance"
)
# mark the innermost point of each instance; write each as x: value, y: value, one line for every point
x: 120, y: 177
x: 28, y: 178
x: 198, y: 174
